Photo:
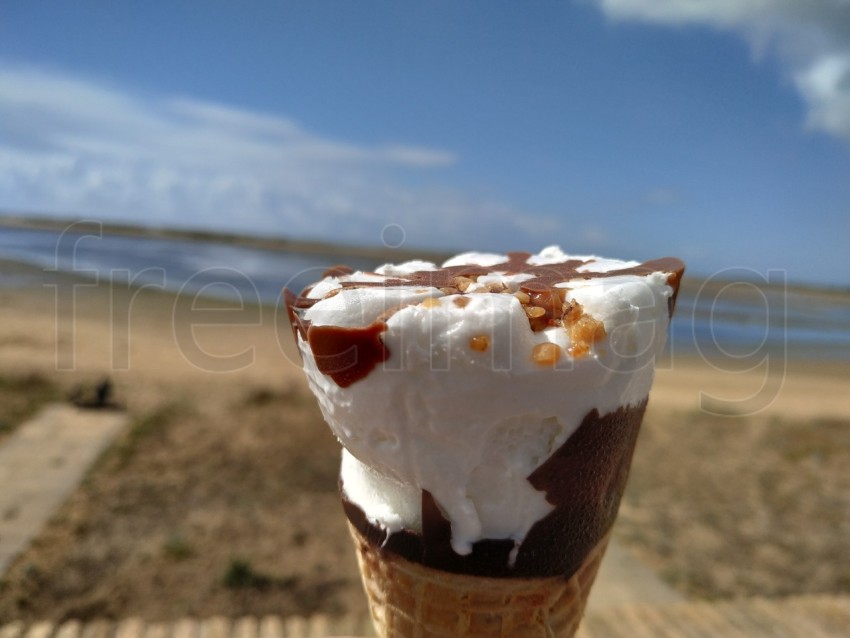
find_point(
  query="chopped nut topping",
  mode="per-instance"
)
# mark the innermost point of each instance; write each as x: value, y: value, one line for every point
x: 523, y: 297
x: 479, y: 343
x: 462, y: 283
x: 431, y: 302
x: 461, y: 302
x: 588, y: 329
x: 546, y: 354
x: 572, y: 312
x: 449, y: 291
x: 578, y: 350
x: 544, y: 307
x: 584, y: 331
x: 496, y: 286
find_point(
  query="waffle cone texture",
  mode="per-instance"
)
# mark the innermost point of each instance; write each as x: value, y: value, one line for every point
x: 409, y: 600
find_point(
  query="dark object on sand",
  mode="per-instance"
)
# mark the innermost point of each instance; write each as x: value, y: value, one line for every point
x: 96, y: 396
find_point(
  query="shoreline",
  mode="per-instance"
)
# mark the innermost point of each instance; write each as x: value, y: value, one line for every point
x: 244, y: 240
x: 692, y: 283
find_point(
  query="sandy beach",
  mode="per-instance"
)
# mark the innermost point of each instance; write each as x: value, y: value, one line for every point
x: 221, y: 497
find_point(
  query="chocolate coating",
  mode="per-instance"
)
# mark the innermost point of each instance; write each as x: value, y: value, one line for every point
x: 584, y: 480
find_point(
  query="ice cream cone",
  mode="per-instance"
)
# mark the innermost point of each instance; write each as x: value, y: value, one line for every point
x: 409, y: 600
x: 489, y: 410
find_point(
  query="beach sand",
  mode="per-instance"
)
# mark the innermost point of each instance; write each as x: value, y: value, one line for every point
x: 221, y: 497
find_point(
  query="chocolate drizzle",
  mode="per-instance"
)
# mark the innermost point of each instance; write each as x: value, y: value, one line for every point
x: 350, y: 354
x: 347, y: 355
x: 544, y: 277
x: 584, y: 481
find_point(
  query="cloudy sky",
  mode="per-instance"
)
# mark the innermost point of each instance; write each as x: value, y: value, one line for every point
x: 716, y: 130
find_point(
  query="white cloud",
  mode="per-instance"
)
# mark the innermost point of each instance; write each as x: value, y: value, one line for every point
x: 826, y: 87
x: 811, y: 37
x: 73, y: 145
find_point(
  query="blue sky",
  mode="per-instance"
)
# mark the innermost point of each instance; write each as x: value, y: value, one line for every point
x: 717, y: 130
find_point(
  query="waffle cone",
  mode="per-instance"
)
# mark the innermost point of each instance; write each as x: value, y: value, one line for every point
x: 409, y: 600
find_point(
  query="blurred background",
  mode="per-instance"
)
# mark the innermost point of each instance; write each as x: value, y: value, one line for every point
x: 166, y: 168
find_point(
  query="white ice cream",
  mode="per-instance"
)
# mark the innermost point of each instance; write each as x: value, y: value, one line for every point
x: 470, y: 426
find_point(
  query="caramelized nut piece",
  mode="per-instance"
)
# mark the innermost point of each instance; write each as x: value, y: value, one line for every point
x: 546, y: 354
x: 584, y: 331
x: 449, y: 291
x: 572, y: 312
x: 431, y: 302
x: 496, y: 286
x: 578, y: 350
x: 523, y: 297
x: 462, y: 283
x: 588, y: 329
x: 479, y: 343
x: 461, y: 302
x: 534, y: 311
